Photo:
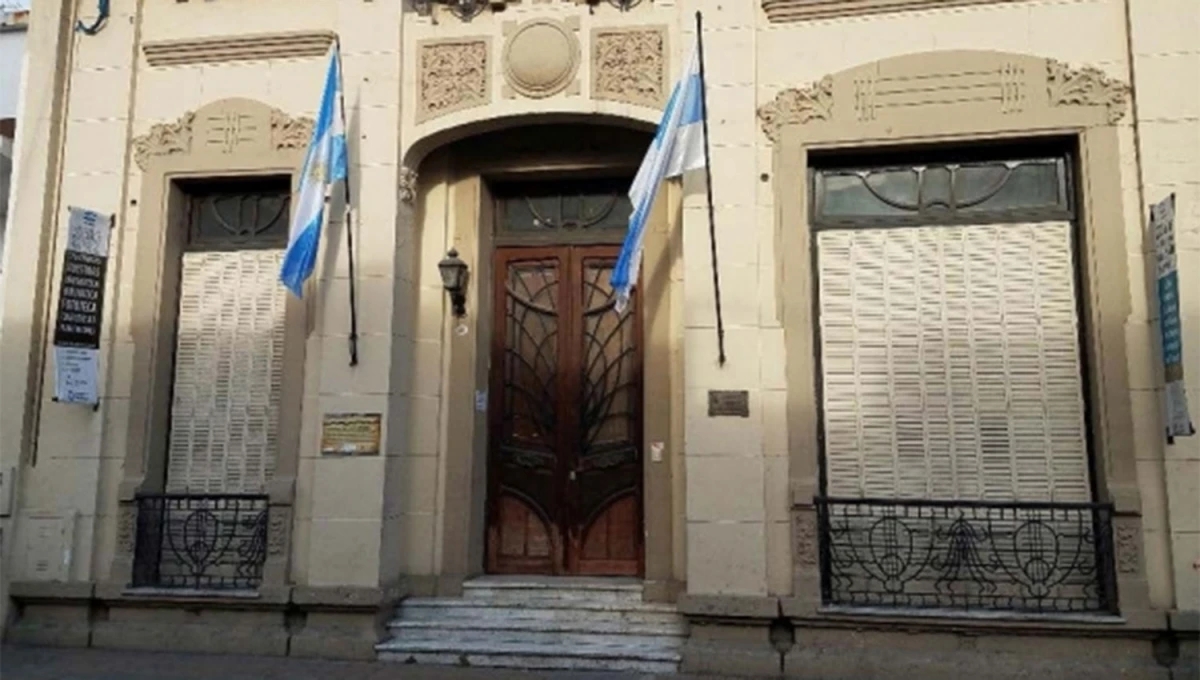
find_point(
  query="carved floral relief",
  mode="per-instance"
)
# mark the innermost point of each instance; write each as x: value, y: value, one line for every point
x: 790, y: 106
x: 1087, y: 86
x: 453, y: 76
x: 629, y: 66
x: 164, y: 139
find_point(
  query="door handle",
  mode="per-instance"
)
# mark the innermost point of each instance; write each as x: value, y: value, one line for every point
x: 571, y: 475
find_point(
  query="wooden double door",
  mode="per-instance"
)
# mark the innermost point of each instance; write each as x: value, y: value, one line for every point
x: 565, y: 459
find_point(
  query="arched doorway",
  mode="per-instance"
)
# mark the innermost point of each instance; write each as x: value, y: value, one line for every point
x: 556, y: 473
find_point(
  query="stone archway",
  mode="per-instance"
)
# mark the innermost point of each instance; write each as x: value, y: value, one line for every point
x: 452, y: 207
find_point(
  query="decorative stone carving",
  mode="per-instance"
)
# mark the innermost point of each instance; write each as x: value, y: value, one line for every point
x: 804, y: 105
x: 1128, y: 552
x: 229, y: 129
x: 804, y: 524
x: 541, y: 57
x: 279, y: 525
x: 126, y: 528
x: 288, y: 132
x: 1087, y: 86
x: 453, y: 75
x: 164, y: 139
x: 629, y: 65
x: 408, y: 184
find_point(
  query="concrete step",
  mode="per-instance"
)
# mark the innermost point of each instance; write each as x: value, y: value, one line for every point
x: 532, y: 663
x: 507, y: 653
x: 524, y: 589
x: 470, y: 606
x: 666, y: 627
x: 539, y: 623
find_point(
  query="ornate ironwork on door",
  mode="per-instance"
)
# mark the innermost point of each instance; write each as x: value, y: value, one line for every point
x: 964, y: 555
x: 566, y: 463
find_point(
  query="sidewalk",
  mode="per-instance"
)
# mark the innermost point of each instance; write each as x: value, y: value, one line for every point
x: 43, y: 663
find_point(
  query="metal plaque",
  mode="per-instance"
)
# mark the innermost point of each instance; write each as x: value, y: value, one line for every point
x: 728, y: 403
x: 351, y: 434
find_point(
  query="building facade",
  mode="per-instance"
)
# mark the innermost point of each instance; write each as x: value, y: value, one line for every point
x: 925, y: 432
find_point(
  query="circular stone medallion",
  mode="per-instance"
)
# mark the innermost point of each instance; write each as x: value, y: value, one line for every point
x: 541, y: 58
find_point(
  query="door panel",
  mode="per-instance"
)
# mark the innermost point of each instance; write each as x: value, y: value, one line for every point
x: 524, y: 529
x: 606, y: 500
x: 565, y: 461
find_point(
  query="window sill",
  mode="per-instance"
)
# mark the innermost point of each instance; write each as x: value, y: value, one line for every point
x: 959, y: 615
x: 192, y: 593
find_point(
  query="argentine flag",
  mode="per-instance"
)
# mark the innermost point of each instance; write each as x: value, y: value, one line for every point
x: 324, y: 165
x: 677, y: 147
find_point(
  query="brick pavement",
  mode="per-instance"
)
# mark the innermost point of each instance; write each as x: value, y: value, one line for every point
x: 43, y: 663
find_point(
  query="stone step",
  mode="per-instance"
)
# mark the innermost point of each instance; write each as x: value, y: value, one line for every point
x: 563, y: 652
x: 672, y: 627
x: 539, y: 623
x: 523, y: 589
x: 544, y: 615
x: 532, y: 663
x: 548, y: 604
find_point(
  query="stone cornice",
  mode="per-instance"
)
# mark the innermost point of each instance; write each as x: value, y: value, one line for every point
x: 783, y: 11
x: 237, y: 48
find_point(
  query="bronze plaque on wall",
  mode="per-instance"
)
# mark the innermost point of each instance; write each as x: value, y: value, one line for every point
x: 351, y: 434
x: 729, y: 403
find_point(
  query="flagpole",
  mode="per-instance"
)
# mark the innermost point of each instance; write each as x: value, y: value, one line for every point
x: 712, y: 222
x: 337, y: 42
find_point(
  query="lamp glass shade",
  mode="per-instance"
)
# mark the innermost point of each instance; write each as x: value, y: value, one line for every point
x: 453, y: 271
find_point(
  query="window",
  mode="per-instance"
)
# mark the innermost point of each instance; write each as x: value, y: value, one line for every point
x: 564, y: 208
x: 229, y: 345
x: 949, y: 331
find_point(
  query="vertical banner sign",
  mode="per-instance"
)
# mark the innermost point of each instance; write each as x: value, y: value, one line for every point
x: 1162, y: 223
x: 80, y: 304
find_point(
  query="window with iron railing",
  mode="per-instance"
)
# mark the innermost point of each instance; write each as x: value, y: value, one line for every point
x: 209, y: 529
x: 956, y: 468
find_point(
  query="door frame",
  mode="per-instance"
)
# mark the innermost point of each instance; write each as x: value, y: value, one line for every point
x: 454, y: 199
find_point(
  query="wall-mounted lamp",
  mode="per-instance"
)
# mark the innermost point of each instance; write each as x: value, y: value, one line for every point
x: 454, y: 280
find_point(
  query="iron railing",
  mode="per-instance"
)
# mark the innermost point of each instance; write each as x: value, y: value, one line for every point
x: 1043, y: 558
x: 209, y: 542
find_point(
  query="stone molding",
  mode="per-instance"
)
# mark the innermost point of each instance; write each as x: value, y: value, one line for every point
x: 541, y: 57
x: 1007, y: 86
x: 221, y: 49
x: 453, y: 75
x: 1086, y: 86
x: 238, y: 136
x: 629, y: 65
x: 964, y: 96
x: 225, y: 129
x: 797, y: 105
x: 1128, y: 546
x: 407, y: 184
x: 786, y: 11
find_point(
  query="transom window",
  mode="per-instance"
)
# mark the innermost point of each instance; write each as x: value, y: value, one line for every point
x: 564, y: 210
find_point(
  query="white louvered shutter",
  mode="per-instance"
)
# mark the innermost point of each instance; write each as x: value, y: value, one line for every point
x: 228, y: 372
x: 951, y: 363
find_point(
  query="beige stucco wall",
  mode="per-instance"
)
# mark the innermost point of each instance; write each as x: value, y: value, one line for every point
x: 1166, y: 61
x: 367, y: 521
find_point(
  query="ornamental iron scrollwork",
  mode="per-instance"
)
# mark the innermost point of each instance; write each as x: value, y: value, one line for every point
x: 211, y: 542
x: 1044, y: 558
